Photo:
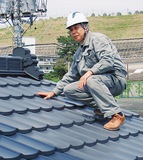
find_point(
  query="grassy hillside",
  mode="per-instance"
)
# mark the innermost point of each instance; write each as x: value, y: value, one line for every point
x: 47, y: 31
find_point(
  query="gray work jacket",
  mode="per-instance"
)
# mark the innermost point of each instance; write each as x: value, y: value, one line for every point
x: 97, y: 54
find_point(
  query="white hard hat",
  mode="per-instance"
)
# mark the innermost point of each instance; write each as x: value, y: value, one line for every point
x: 75, y: 18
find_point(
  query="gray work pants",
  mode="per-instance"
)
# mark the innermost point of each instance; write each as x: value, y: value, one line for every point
x: 99, y: 92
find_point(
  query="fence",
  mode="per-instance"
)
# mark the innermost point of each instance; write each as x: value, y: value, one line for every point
x: 133, y: 90
x: 128, y: 48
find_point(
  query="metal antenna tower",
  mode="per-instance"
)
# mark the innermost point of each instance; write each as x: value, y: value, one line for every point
x: 16, y: 11
x: 18, y: 31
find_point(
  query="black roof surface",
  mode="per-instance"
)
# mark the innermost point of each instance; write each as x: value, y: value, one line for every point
x: 59, y: 128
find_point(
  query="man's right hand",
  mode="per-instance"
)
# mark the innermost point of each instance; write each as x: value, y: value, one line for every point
x: 46, y: 95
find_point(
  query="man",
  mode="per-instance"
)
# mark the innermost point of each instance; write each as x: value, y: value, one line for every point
x: 97, y: 73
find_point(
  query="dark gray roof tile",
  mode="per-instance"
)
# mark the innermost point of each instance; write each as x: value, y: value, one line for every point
x: 57, y: 117
x: 67, y: 157
x: 82, y: 153
x: 54, y: 141
x: 77, y: 119
x: 59, y: 128
x: 65, y: 99
x: 20, y: 126
x: 7, y: 130
x: 31, y: 120
x: 116, y: 149
x: 19, y: 105
x: 4, y: 93
x: 5, y: 110
x: 49, y: 104
x: 6, y: 153
x: 38, y: 145
x: 21, y: 81
x: 21, y: 149
x: 3, y: 83
x: 72, y: 132
x: 130, y: 113
x: 131, y: 143
x: 26, y: 80
x: 10, y: 81
x: 58, y: 156
x: 59, y: 136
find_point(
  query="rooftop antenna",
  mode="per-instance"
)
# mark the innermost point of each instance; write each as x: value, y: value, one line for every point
x: 18, y: 12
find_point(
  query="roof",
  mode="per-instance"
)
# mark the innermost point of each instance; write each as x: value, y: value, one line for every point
x: 59, y: 128
x: 40, y: 49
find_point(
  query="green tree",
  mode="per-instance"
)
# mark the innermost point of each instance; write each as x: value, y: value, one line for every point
x: 129, y: 13
x: 137, y: 12
x: 60, y: 69
x: 93, y: 15
x: 105, y: 15
x: 139, y: 89
x: 67, y: 47
x: 141, y: 12
x: 119, y: 13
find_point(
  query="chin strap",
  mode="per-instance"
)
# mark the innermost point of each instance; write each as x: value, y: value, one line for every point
x: 85, y: 27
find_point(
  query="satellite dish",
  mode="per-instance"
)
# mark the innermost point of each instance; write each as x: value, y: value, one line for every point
x: 16, y: 11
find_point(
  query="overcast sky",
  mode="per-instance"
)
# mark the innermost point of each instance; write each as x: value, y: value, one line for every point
x: 61, y: 8
x: 57, y: 8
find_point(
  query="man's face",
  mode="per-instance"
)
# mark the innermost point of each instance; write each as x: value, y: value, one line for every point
x: 77, y: 32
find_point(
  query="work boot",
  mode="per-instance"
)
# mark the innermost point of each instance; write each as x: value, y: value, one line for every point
x: 98, y: 112
x: 99, y: 115
x: 115, y: 123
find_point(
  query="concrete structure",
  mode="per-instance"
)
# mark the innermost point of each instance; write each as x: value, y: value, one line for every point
x: 29, y: 42
x: 131, y: 51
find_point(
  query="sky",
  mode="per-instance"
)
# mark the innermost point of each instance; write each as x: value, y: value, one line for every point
x: 61, y: 8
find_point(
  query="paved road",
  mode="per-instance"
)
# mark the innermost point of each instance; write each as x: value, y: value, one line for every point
x: 132, y: 104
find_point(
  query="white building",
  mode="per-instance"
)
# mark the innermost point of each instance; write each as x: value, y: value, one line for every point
x: 46, y: 56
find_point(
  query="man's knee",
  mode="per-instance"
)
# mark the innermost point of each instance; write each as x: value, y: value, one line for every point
x: 92, y: 80
x: 69, y: 89
x: 66, y: 89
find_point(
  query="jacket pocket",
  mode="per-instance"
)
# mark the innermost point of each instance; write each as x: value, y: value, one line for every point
x: 90, y: 58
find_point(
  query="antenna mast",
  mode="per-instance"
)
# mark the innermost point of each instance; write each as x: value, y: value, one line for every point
x: 16, y: 19
x: 16, y: 11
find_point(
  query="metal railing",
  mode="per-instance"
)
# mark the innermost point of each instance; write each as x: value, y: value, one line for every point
x: 133, y: 90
